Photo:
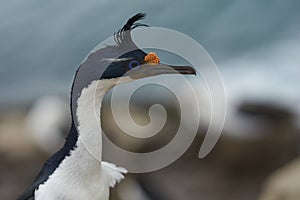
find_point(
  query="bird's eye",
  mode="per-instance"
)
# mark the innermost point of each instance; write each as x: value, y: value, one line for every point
x: 134, y: 64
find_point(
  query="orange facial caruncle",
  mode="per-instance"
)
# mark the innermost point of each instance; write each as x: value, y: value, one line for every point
x: 151, y: 58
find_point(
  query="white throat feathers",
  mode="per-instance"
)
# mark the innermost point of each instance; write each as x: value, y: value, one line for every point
x: 88, y: 113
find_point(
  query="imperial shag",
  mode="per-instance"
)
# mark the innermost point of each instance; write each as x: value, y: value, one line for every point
x: 73, y: 172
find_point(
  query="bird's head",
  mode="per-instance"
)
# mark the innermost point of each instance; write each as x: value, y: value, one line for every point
x: 107, y: 67
x: 125, y: 59
x: 122, y: 62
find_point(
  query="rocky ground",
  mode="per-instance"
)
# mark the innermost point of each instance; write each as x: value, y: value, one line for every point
x: 237, y: 168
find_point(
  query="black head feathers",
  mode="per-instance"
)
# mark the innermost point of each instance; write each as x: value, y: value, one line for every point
x: 123, y: 36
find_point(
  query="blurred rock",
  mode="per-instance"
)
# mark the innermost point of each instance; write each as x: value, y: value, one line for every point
x: 283, y: 184
x: 265, y: 110
x: 271, y: 141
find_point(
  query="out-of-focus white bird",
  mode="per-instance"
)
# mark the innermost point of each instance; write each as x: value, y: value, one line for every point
x: 47, y: 122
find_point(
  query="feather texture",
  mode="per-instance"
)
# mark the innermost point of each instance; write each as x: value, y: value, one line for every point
x: 113, y: 174
x: 123, y: 36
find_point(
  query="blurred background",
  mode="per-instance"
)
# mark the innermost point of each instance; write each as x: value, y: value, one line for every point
x: 255, y: 45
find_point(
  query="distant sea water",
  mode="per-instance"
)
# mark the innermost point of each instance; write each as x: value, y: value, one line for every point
x: 256, y: 44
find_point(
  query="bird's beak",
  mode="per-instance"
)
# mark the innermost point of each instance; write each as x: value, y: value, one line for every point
x: 148, y: 70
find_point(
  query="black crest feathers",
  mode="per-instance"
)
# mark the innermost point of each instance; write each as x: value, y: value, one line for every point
x: 123, y: 36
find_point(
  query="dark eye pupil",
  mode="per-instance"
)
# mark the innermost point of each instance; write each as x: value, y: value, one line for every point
x: 134, y: 64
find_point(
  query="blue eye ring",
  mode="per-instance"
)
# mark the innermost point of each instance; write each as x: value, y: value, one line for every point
x: 134, y: 64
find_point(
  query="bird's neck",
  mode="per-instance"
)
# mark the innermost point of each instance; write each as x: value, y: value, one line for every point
x: 88, y: 113
x: 88, y: 116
